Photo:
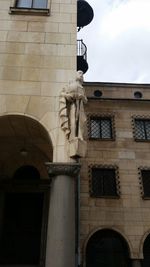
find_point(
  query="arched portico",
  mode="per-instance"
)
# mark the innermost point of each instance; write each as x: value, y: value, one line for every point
x: 146, y: 234
x: 25, y: 147
x: 24, y: 190
x: 20, y: 133
x: 107, y: 247
x: 145, y: 249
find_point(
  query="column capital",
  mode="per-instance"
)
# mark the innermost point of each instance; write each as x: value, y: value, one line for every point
x: 63, y: 168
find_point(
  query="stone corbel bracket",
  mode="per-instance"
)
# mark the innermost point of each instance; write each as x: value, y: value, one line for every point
x: 60, y: 168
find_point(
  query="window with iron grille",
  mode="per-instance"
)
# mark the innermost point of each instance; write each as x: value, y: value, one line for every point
x: 103, y: 182
x: 145, y: 177
x: 142, y: 129
x: 31, y: 3
x: 100, y: 128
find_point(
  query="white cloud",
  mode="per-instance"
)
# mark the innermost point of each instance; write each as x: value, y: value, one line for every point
x: 118, y: 41
x: 128, y: 15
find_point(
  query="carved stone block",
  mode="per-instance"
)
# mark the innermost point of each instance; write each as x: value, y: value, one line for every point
x: 63, y: 168
x: 77, y: 148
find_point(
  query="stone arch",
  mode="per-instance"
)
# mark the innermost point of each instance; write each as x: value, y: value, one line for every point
x: 122, y: 235
x: 47, y: 127
x: 27, y: 172
x: 25, y: 143
x: 43, y: 109
x: 19, y: 132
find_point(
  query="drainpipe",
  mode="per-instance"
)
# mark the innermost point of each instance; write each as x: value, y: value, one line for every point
x: 77, y: 219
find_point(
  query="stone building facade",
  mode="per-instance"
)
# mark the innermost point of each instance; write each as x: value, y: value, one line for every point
x: 51, y: 213
x: 37, y: 59
x: 118, y: 150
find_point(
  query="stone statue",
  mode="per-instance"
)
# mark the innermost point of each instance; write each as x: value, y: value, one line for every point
x: 72, y: 116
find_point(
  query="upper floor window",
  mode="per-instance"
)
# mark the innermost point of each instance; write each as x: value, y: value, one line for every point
x: 142, y: 129
x: 31, y: 7
x: 31, y: 3
x: 100, y: 127
x: 104, y: 182
x: 145, y: 180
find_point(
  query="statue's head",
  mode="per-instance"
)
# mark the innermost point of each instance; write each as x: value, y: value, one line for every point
x: 79, y: 76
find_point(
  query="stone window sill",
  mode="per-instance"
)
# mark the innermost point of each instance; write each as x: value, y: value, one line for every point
x: 105, y: 197
x: 146, y: 197
x: 142, y: 140
x: 101, y: 139
x: 29, y: 11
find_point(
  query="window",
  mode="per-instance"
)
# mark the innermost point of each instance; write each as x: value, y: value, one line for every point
x: 138, y: 95
x: 30, y: 7
x: 103, y: 182
x: 100, y: 128
x: 98, y: 93
x: 145, y: 177
x: 142, y: 129
x: 31, y: 3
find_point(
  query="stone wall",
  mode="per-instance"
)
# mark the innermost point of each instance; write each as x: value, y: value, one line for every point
x: 37, y: 58
x: 129, y: 215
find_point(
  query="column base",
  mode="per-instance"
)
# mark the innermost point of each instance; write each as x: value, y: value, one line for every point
x: 136, y: 263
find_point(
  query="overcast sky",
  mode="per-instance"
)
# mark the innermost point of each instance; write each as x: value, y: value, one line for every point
x: 118, y: 41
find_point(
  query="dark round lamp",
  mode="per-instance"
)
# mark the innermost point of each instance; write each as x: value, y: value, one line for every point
x: 85, y: 13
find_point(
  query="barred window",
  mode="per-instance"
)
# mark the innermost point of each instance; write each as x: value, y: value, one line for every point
x: 145, y: 176
x: 142, y: 129
x: 31, y: 3
x: 101, y: 128
x: 103, y: 182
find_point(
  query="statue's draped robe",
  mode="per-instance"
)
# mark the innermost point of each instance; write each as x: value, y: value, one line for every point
x: 71, y: 110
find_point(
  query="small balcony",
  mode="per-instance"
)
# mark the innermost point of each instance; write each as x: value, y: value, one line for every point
x: 82, y: 56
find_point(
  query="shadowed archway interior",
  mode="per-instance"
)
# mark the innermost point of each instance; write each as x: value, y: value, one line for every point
x: 20, y: 133
x: 24, y: 190
x: 107, y: 248
x: 146, y: 252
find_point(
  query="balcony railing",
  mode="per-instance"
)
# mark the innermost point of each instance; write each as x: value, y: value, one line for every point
x: 81, y: 49
x: 81, y: 56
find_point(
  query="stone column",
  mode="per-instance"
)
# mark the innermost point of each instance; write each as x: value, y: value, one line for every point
x: 60, y: 250
x: 136, y: 263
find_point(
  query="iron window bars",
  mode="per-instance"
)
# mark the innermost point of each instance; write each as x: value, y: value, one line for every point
x: 142, y: 129
x: 101, y: 127
x: 104, y: 181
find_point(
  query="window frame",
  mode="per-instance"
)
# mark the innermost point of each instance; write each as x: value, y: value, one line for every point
x: 102, y: 117
x: 29, y: 11
x: 144, y: 120
x: 116, y: 178
x: 142, y: 187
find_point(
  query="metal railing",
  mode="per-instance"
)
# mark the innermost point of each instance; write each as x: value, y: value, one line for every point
x: 81, y: 49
